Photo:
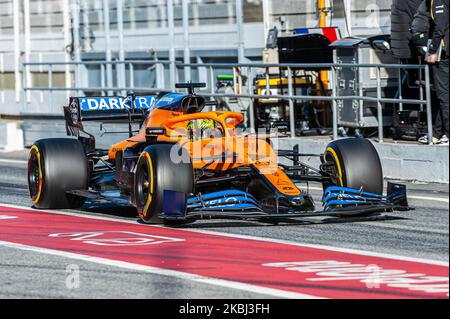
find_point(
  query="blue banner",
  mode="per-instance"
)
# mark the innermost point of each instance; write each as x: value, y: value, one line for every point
x: 115, y: 103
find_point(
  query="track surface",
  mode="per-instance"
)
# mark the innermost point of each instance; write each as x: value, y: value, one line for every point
x: 422, y: 233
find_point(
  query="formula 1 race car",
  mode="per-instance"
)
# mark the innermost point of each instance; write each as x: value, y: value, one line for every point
x: 184, y: 164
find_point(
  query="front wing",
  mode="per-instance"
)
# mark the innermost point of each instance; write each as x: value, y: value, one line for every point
x: 235, y: 204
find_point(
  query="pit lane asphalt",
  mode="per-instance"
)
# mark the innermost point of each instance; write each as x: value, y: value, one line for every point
x: 421, y: 233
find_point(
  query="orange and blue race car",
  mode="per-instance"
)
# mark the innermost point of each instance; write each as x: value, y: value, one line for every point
x: 184, y: 164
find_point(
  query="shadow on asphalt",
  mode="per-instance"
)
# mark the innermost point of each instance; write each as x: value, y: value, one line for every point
x: 287, y: 222
x: 109, y: 209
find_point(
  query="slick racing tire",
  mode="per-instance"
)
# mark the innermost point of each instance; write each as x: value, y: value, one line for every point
x: 155, y: 173
x: 55, y: 166
x: 356, y: 163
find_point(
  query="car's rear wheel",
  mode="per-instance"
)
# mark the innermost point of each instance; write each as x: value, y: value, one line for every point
x: 157, y: 172
x: 356, y: 164
x: 56, y: 166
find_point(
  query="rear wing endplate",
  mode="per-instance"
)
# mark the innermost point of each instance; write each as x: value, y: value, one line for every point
x: 81, y: 109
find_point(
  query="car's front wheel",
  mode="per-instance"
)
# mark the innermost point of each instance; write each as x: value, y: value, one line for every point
x: 156, y: 172
x: 355, y: 163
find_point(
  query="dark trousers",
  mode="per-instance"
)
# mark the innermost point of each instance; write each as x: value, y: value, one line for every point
x: 440, y: 75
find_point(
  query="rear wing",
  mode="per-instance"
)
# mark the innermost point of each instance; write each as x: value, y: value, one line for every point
x: 105, y: 109
x: 98, y: 108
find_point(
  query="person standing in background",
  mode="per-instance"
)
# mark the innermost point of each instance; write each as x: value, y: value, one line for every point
x: 421, y: 29
x: 438, y: 55
x: 402, y: 15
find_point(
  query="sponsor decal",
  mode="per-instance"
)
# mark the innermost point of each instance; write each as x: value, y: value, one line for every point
x: 115, y: 103
x: 116, y: 238
x: 371, y: 276
x: 166, y: 99
x: 226, y: 202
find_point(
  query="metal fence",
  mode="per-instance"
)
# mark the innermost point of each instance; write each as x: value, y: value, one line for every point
x: 175, y: 70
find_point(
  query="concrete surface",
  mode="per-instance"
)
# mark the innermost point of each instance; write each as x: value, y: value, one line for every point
x: 11, y: 136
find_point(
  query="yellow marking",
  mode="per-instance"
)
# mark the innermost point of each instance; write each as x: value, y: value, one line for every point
x: 280, y: 81
x: 150, y: 193
x: 338, y: 164
x: 36, y: 199
x: 432, y: 11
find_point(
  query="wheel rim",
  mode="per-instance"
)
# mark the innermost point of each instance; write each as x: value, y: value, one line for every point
x: 144, y: 185
x: 331, y: 157
x: 143, y: 189
x: 34, y: 175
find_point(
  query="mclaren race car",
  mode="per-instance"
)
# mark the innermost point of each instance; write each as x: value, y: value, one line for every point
x: 184, y: 164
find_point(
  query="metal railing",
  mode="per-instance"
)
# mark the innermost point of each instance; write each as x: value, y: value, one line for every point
x: 250, y: 70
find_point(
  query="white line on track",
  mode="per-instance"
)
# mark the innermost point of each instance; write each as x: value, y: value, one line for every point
x: 271, y: 240
x: 11, y: 161
x: 436, y: 199
x: 164, y: 272
x: 407, y: 228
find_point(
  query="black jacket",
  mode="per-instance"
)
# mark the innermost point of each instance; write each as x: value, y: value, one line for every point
x: 422, y: 19
x: 402, y: 14
x: 439, y: 14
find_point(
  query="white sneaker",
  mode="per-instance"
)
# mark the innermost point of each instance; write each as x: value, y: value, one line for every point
x: 424, y: 140
x: 444, y: 140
